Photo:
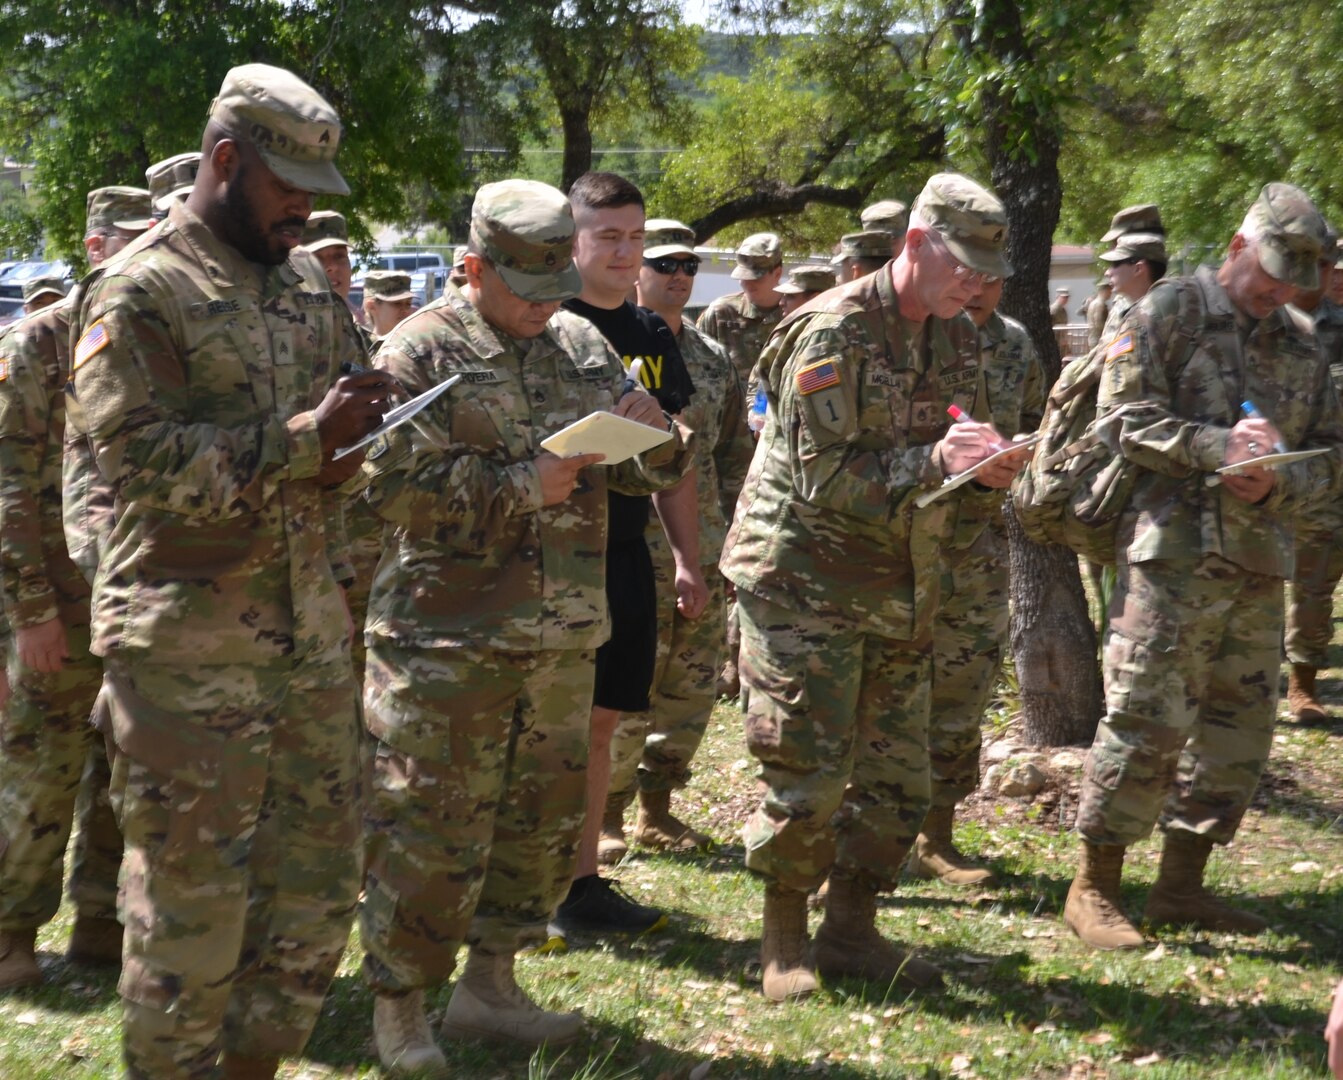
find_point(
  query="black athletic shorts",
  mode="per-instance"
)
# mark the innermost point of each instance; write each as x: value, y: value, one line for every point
x: 625, y: 663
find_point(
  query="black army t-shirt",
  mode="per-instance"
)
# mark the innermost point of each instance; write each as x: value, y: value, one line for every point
x: 637, y: 332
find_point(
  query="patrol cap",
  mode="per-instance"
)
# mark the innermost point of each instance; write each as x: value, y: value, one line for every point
x: 870, y: 244
x: 809, y: 279
x: 526, y: 229
x: 1291, y: 235
x: 1145, y: 218
x: 292, y: 126
x: 970, y: 220
x: 389, y: 285
x: 666, y: 236
x: 40, y: 286
x: 1104, y: 283
x: 1063, y: 290
x: 889, y: 216
x: 325, y: 228
x: 1137, y: 246
x: 758, y: 255
x: 172, y: 178
x: 117, y: 207
x: 459, y: 257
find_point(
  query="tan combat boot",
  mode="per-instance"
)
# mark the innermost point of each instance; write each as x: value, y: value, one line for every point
x: 94, y: 941
x: 848, y: 944
x: 1178, y: 898
x: 18, y: 959
x: 785, y: 967
x: 1301, y: 700
x: 935, y: 856
x: 238, y: 1067
x: 401, y: 1033
x: 487, y: 1003
x: 656, y: 827
x: 1094, y: 910
x: 611, y: 846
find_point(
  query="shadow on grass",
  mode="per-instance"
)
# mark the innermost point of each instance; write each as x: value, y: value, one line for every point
x: 69, y: 988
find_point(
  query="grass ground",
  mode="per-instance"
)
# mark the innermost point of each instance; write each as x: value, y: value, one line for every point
x: 1024, y: 999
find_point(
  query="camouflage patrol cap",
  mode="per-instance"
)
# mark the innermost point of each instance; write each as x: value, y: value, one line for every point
x: 666, y: 236
x: 117, y: 207
x: 757, y: 256
x: 389, y: 285
x: 325, y: 228
x: 526, y: 229
x: 888, y: 216
x: 459, y: 257
x: 292, y: 126
x: 172, y: 178
x: 808, y: 279
x: 41, y: 286
x: 870, y: 244
x: 1137, y: 246
x: 1144, y: 218
x: 1291, y: 235
x: 970, y: 220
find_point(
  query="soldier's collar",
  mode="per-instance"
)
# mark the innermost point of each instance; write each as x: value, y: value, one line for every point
x: 223, y: 264
x: 484, y: 338
x: 993, y: 331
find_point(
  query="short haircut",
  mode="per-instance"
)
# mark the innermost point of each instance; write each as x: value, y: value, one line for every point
x: 1156, y: 268
x: 604, y: 191
x: 868, y: 264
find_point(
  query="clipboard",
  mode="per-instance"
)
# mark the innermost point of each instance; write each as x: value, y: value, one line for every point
x: 1272, y: 461
x: 618, y: 437
x: 399, y: 415
x: 951, y: 483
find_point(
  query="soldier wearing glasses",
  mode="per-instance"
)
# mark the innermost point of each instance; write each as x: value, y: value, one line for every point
x: 837, y: 578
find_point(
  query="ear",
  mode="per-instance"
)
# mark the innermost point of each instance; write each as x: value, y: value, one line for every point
x: 93, y: 248
x: 1237, y: 245
x: 225, y: 159
x: 474, y: 265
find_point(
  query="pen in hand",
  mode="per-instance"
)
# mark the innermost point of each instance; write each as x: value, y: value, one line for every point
x: 631, y: 377
x: 960, y: 416
x: 1251, y: 413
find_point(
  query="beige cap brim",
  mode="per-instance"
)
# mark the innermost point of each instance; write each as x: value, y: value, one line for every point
x: 135, y: 224
x: 326, y: 242
x: 976, y: 258
x: 42, y: 292
x: 543, y: 288
x: 407, y: 295
x: 318, y: 177
x: 164, y: 202
x: 1282, y: 266
x: 790, y: 289
x: 750, y: 273
x: 668, y: 249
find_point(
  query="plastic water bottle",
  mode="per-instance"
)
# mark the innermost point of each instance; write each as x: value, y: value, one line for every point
x: 755, y: 419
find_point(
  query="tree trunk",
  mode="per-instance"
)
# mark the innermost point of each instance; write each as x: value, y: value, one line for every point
x: 1053, y: 640
x: 577, y: 127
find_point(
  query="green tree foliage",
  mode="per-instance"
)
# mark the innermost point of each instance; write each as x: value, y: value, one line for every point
x: 93, y: 92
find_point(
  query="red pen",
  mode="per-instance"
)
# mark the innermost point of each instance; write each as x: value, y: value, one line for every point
x: 960, y: 416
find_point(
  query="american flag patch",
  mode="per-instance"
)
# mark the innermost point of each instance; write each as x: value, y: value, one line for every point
x: 1119, y: 347
x: 817, y: 377
x: 95, y: 339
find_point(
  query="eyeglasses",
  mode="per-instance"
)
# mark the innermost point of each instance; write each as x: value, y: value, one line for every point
x: 1123, y: 262
x: 668, y: 265
x: 961, y: 272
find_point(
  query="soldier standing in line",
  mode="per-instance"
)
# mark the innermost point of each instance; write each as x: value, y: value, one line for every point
x: 860, y: 254
x: 654, y: 758
x: 483, y: 625
x: 804, y: 283
x: 890, y: 216
x: 217, y: 606
x: 1319, y: 536
x: 1097, y: 310
x: 1058, y: 310
x: 41, y: 292
x: 741, y: 322
x: 1135, y: 263
x: 387, y: 300
x: 837, y: 578
x: 171, y: 180
x: 1194, y: 645
x: 53, y: 765
x: 1009, y: 392
x: 1145, y: 220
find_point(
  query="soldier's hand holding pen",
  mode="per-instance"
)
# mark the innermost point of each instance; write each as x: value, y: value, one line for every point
x: 352, y: 408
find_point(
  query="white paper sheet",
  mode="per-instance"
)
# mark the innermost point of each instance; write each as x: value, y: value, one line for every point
x: 605, y: 433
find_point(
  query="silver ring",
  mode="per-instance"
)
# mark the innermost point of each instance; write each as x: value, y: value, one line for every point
x: 1254, y: 447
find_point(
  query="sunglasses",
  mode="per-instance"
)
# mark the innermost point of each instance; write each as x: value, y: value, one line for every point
x: 668, y: 265
x: 1124, y: 262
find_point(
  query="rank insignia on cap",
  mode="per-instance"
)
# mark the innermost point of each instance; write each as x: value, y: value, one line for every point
x: 95, y: 339
x: 1119, y: 347
x: 817, y: 377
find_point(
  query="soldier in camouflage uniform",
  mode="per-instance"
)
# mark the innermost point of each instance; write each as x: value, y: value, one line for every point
x: 1097, y: 311
x: 1134, y: 274
x: 1009, y: 392
x: 860, y: 254
x: 50, y: 758
x: 387, y: 300
x: 837, y: 578
x: 482, y: 627
x: 804, y: 284
x: 651, y: 752
x: 41, y: 292
x: 890, y: 216
x: 217, y: 606
x: 1319, y: 536
x: 742, y: 322
x: 1195, y: 636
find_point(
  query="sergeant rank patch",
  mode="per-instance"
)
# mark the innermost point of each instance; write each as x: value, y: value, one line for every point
x: 95, y: 339
x: 817, y: 376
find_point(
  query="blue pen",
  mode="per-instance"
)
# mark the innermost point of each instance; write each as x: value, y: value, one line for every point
x: 1251, y: 413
